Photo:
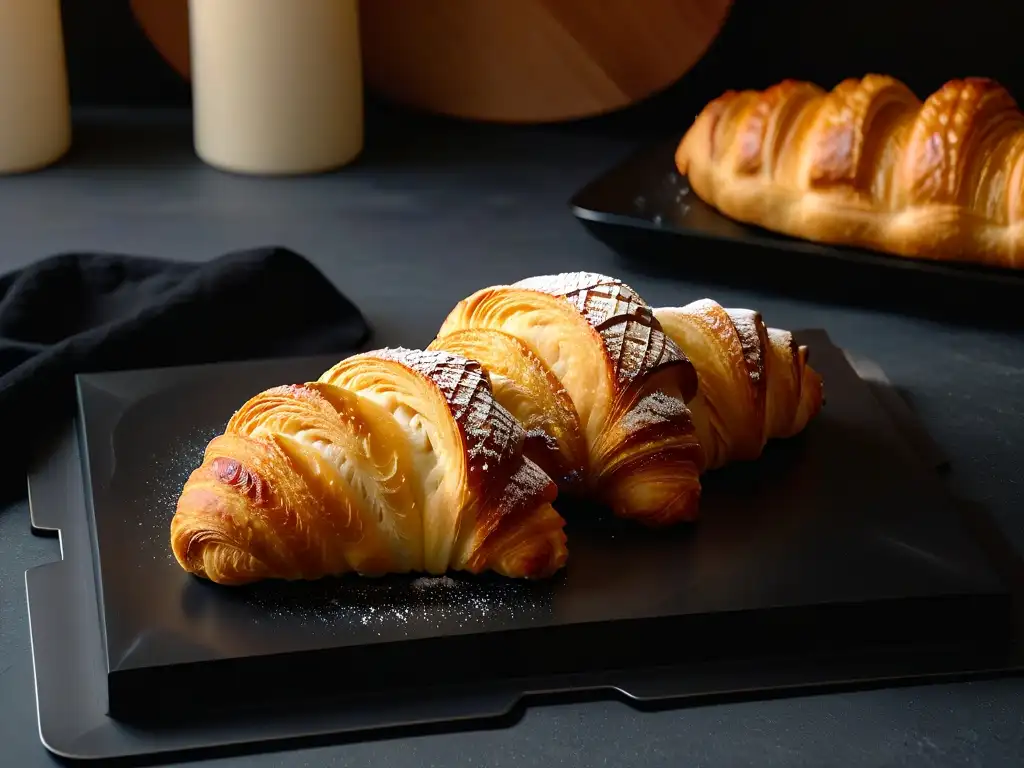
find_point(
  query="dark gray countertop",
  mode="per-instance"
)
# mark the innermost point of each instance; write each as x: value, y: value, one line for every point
x: 423, y: 220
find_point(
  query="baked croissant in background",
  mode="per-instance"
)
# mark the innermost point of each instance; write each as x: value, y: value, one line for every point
x: 394, y: 461
x: 869, y: 165
x: 582, y: 363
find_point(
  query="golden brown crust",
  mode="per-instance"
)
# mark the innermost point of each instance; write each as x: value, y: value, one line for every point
x: 868, y: 164
x: 527, y: 389
x: 396, y: 460
x: 423, y: 460
x: 635, y: 344
x: 755, y: 383
x: 591, y: 337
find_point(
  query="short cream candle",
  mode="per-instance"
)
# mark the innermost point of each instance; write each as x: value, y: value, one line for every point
x: 277, y: 84
x: 35, y: 113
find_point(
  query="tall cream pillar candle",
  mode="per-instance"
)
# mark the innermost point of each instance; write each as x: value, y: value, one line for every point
x: 35, y: 115
x: 276, y: 84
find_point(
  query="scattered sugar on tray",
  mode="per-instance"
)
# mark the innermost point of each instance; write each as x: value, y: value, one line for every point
x: 405, y: 606
x: 170, y: 467
x: 434, y: 582
x: 680, y: 183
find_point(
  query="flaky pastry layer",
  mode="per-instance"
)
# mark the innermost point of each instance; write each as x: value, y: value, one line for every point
x: 394, y: 461
x: 869, y: 165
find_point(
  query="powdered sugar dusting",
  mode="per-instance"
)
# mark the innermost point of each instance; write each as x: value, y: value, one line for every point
x: 398, y: 606
x: 748, y: 324
x: 565, y: 283
x: 705, y: 308
x: 434, y: 582
x: 492, y: 433
x: 171, y: 466
x: 526, y: 486
x: 598, y: 297
x: 783, y: 340
x: 632, y: 336
x: 638, y: 347
x: 655, y: 408
x: 494, y: 438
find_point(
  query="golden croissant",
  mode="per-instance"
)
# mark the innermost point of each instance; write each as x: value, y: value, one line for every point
x: 404, y: 460
x: 583, y: 364
x: 869, y: 165
x: 630, y: 404
x: 394, y: 461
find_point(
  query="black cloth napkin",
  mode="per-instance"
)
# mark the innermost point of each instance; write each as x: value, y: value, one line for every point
x: 87, y: 312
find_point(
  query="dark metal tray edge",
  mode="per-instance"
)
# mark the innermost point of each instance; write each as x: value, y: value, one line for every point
x: 77, y: 727
x: 734, y: 254
x: 583, y: 207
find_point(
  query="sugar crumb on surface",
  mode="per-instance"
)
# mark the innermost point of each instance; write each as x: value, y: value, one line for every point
x: 170, y: 468
x: 396, y: 606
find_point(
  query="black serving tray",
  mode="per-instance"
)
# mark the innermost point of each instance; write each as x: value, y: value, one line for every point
x: 836, y: 560
x: 645, y: 211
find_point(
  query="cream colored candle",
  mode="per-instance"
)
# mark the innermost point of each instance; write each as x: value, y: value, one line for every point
x: 276, y: 84
x: 35, y: 115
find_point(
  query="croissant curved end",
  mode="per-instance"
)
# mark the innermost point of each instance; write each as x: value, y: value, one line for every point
x: 682, y: 153
x: 535, y: 556
x: 204, y: 543
x: 755, y: 382
x: 396, y: 461
x: 812, y: 393
x: 657, y: 496
x: 698, y: 141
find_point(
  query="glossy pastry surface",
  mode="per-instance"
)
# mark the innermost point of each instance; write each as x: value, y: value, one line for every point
x: 869, y: 164
x: 403, y: 460
x: 394, y: 461
x: 587, y: 362
x: 755, y: 382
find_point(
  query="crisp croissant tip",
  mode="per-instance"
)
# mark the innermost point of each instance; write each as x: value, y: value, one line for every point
x: 684, y: 507
x: 547, y: 564
x: 539, y: 561
x: 682, y: 156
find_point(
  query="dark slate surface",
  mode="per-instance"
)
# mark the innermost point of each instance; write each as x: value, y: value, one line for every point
x: 422, y: 221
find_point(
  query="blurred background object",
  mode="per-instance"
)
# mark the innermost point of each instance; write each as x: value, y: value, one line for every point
x: 277, y: 86
x: 533, y: 61
x: 112, y: 62
x: 166, y: 24
x: 35, y: 119
x: 506, y: 60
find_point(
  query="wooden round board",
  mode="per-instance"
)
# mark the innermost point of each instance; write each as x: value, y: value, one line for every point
x: 518, y: 61
x: 165, y: 23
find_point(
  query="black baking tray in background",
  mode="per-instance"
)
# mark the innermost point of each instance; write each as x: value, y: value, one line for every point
x: 837, y: 559
x: 645, y: 211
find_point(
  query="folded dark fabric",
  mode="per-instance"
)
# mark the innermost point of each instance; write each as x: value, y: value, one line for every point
x: 86, y: 312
